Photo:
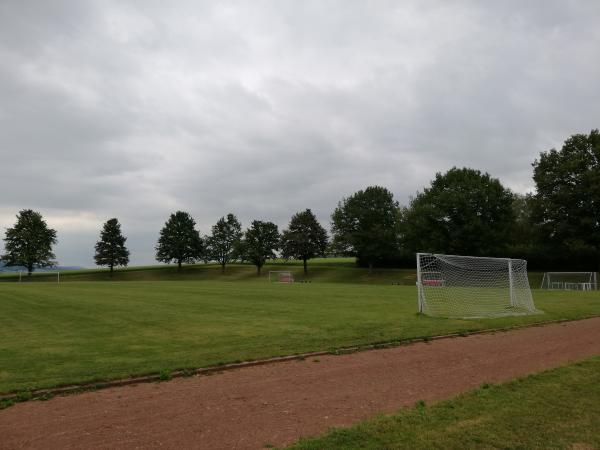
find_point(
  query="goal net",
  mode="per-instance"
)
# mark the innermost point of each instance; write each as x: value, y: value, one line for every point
x: 574, y: 281
x: 50, y: 276
x: 280, y: 276
x: 473, y: 287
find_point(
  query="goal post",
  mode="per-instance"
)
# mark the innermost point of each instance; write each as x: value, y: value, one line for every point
x: 570, y: 281
x: 281, y: 276
x: 472, y: 287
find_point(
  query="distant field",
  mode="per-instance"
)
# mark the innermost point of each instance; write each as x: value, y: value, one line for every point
x: 82, y: 331
x: 556, y: 409
x: 328, y: 270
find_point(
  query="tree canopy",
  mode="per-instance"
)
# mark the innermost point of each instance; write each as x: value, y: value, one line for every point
x: 261, y: 241
x: 223, y: 244
x: 366, y: 225
x: 567, y: 202
x: 464, y: 212
x: 29, y: 243
x: 304, y: 239
x: 110, y: 249
x: 179, y: 240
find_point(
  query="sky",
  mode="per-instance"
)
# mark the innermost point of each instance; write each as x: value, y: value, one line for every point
x: 136, y: 109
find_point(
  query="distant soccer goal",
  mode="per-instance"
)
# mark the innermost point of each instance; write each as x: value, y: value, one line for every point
x: 280, y: 276
x: 570, y: 281
x: 51, y: 276
x: 473, y: 287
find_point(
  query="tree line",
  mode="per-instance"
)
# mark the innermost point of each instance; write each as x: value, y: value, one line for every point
x: 462, y: 211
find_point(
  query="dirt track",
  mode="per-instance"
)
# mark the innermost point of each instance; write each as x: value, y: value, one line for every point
x: 276, y: 404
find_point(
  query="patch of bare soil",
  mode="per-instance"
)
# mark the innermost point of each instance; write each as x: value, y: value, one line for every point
x: 277, y: 404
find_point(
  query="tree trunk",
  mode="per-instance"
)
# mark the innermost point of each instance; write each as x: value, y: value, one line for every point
x: 222, y: 267
x: 258, y: 270
x: 111, y: 270
x: 179, y: 266
x: 305, y: 267
x: 370, y: 267
x: 29, y: 269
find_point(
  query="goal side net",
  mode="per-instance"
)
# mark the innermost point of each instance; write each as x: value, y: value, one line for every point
x: 281, y: 276
x: 570, y: 281
x: 473, y: 287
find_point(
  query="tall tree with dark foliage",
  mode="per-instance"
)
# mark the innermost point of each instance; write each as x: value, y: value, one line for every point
x: 29, y: 243
x: 261, y: 241
x: 366, y: 225
x: 110, y: 249
x: 179, y: 240
x: 304, y: 239
x: 567, y: 202
x: 223, y: 244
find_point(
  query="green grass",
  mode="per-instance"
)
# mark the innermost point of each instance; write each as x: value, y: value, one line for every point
x: 558, y: 409
x: 329, y: 270
x: 87, y: 331
x: 325, y: 270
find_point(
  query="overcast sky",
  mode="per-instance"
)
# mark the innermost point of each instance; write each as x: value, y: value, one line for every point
x: 263, y: 108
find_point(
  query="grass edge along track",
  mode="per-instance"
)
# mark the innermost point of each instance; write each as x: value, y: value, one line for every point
x: 557, y: 408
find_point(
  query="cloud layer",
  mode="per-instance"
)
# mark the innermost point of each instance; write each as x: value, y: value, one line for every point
x: 136, y: 109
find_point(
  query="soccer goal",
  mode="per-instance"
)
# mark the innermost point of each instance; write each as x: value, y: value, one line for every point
x: 50, y: 276
x: 280, y: 276
x: 472, y: 287
x: 570, y: 281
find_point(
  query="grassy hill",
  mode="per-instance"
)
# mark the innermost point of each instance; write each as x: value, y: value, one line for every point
x: 321, y: 270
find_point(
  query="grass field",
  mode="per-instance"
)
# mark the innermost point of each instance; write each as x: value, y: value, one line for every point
x: 84, y: 331
x: 557, y: 409
x: 327, y: 270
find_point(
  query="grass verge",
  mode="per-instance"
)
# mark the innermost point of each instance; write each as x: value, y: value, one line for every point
x: 558, y: 409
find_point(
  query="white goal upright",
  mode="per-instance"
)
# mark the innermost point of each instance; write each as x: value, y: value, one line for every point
x: 570, y: 281
x: 473, y: 287
x: 281, y: 276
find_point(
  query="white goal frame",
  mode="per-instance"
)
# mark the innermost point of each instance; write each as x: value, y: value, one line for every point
x: 24, y: 274
x: 472, y: 287
x: 588, y: 281
x: 281, y: 276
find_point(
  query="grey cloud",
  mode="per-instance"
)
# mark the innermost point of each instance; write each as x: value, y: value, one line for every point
x: 135, y: 109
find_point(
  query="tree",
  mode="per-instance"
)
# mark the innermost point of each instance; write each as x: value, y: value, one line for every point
x: 261, y: 241
x: 179, y: 240
x: 366, y: 225
x: 567, y: 203
x: 304, y: 239
x: 110, y: 249
x: 29, y: 243
x: 224, y: 242
x: 463, y: 212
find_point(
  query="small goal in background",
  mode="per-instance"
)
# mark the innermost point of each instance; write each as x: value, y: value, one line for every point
x: 281, y: 276
x: 570, y: 281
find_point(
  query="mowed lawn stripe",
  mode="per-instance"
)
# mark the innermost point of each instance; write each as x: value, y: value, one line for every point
x: 87, y: 331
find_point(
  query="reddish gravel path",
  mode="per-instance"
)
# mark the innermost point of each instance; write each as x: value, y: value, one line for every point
x: 278, y: 403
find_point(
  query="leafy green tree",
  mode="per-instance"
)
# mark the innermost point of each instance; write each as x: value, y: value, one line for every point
x: 304, y: 239
x: 567, y: 203
x: 366, y: 225
x: 110, y: 249
x: 224, y: 242
x: 29, y: 243
x: 462, y: 212
x: 261, y: 241
x: 526, y: 232
x: 179, y: 240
